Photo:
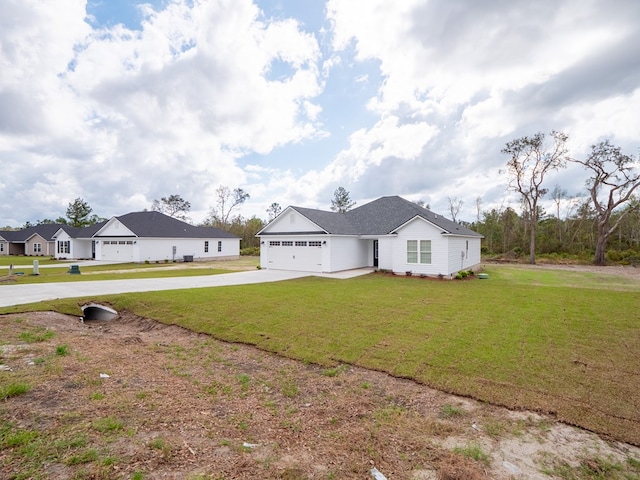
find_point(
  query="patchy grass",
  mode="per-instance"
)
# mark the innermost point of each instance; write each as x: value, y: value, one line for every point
x: 12, y: 389
x: 473, y: 452
x: 546, y: 340
x: 450, y: 411
x: 590, y: 468
x: 36, y: 335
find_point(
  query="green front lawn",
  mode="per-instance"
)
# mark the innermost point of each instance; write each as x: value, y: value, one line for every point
x: 6, y: 260
x: 122, y: 271
x: 557, y: 342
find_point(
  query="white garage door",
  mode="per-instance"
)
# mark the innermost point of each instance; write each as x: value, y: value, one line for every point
x: 299, y: 255
x: 117, y: 251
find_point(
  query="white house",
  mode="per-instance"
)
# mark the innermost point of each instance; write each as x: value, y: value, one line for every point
x: 389, y: 233
x: 145, y: 236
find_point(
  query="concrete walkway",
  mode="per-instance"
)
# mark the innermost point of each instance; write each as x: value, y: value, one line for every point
x: 37, y: 292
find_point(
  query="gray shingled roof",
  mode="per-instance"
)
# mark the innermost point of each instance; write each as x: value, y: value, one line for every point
x: 83, y: 232
x: 142, y: 224
x: 159, y: 225
x: 45, y: 230
x: 379, y: 217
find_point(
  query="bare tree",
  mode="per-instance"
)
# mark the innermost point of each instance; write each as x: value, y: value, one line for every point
x: 558, y: 194
x: 341, y: 202
x: 614, y: 180
x: 173, y: 205
x: 422, y: 204
x: 455, y: 204
x: 274, y: 210
x: 531, y: 160
x: 478, y: 208
x: 226, y: 201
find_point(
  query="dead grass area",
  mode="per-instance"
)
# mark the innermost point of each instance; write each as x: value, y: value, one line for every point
x: 180, y: 405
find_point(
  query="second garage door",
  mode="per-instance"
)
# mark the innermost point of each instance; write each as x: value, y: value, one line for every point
x: 299, y: 255
x: 117, y: 251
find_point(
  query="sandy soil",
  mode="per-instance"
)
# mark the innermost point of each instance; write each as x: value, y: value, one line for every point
x: 194, y: 407
x: 628, y: 271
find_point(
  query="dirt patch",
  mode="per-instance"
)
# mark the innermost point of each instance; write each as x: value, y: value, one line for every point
x: 184, y: 405
x: 626, y: 271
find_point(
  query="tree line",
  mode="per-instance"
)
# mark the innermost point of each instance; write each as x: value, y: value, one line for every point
x: 606, y: 216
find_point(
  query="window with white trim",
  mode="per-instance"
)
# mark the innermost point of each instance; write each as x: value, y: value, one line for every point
x: 300, y: 243
x: 206, y: 246
x: 274, y: 243
x: 219, y: 245
x: 419, y: 251
x: 287, y: 243
x: 1, y: 246
x: 315, y: 243
x: 37, y: 248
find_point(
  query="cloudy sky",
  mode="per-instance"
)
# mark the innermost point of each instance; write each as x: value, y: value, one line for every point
x: 121, y: 102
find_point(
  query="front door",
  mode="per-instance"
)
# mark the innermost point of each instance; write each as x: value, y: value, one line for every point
x: 375, y: 253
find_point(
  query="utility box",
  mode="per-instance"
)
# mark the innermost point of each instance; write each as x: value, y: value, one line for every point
x: 36, y: 267
x: 74, y: 270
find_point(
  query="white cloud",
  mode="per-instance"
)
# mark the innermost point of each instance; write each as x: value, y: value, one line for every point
x: 139, y: 111
x: 414, y: 98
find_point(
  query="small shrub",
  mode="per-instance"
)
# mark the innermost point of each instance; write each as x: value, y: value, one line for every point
x: 250, y: 251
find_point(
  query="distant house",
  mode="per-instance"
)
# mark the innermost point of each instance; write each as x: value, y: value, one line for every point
x: 388, y: 233
x: 37, y: 240
x: 134, y: 237
x: 145, y: 236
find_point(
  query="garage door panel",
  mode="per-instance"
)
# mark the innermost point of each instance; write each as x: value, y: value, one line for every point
x: 295, y: 255
x: 117, y: 251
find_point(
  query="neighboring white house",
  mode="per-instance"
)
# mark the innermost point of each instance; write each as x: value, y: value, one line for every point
x: 145, y: 236
x: 389, y: 233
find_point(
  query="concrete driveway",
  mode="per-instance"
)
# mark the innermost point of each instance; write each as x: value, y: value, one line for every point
x: 37, y: 292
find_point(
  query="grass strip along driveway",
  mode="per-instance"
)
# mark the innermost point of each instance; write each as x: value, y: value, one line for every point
x: 562, y: 343
x: 123, y: 271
